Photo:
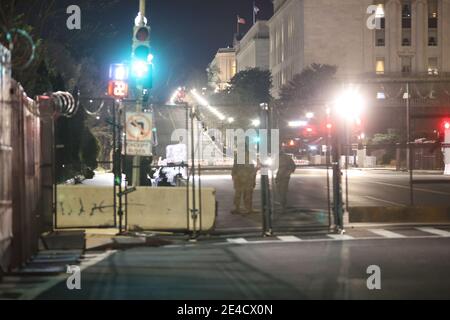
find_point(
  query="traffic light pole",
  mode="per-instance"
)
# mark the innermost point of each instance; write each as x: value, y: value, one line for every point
x: 338, y: 206
x: 266, y: 203
x: 136, y: 171
x: 137, y: 159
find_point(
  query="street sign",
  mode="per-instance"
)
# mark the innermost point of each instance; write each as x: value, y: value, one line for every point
x: 142, y: 149
x: 138, y: 129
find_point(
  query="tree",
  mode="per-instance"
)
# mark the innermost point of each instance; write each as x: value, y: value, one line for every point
x: 387, y: 143
x: 213, y: 72
x: 312, y: 84
x: 251, y: 86
x: 64, y: 60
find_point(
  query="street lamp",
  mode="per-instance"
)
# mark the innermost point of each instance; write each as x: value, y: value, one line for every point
x: 350, y: 104
x: 256, y: 122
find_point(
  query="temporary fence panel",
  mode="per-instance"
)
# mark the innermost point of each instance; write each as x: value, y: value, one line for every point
x: 26, y: 174
x: 20, y: 183
x: 5, y: 160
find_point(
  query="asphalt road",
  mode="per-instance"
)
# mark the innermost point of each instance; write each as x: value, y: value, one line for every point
x: 308, y: 195
x: 410, y: 269
x: 308, y: 192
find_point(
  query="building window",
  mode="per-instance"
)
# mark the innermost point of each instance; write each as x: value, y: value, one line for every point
x: 433, y: 66
x: 406, y: 64
x: 379, y: 66
x: 406, y: 23
x: 433, y: 15
x: 380, y: 31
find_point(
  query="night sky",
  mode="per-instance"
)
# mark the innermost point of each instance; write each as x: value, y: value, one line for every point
x: 185, y: 33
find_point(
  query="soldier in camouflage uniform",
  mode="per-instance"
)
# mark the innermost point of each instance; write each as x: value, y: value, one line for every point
x: 244, y: 181
x: 285, y: 168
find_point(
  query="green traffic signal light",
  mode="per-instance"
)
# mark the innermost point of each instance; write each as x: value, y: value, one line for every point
x: 140, y: 69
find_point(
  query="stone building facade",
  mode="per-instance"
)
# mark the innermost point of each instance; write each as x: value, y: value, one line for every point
x: 412, y: 37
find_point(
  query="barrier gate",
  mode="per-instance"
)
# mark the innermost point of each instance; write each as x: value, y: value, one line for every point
x: 108, y: 201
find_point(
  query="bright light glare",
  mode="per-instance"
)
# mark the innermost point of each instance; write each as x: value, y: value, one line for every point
x: 173, y: 98
x: 268, y: 162
x: 297, y: 124
x: 381, y: 95
x: 256, y: 122
x: 230, y: 120
x: 202, y: 101
x: 199, y: 98
x: 310, y: 115
x: 140, y: 68
x: 350, y: 104
x: 447, y: 125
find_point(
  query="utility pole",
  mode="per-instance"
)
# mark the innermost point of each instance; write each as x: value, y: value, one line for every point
x: 338, y: 205
x: 265, y: 142
x: 141, y: 69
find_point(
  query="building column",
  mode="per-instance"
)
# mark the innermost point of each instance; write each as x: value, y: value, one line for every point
x: 393, y: 34
x: 420, y: 29
x: 444, y: 39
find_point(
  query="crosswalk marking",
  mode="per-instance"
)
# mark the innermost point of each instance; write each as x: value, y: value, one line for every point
x: 386, y: 233
x: 340, y: 236
x: 435, y: 231
x: 237, y: 240
x: 289, y: 238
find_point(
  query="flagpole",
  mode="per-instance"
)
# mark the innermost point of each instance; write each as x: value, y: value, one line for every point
x: 254, y: 15
x: 238, y: 26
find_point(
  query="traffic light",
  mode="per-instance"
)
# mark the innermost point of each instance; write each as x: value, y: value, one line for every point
x: 446, y: 124
x: 141, y: 57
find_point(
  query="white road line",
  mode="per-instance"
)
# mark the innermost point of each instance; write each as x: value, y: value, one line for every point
x: 438, y: 232
x: 386, y: 201
x: 94, y: 260
x: 237, y: 240
x: 407, y: 187
x: 340, y: 236
x: 289, y: 238
x: 386, y: 233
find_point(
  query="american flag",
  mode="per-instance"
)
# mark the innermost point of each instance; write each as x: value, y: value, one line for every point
x: 241, y: 20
